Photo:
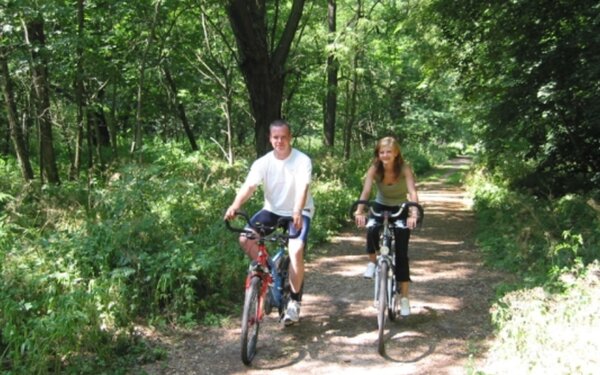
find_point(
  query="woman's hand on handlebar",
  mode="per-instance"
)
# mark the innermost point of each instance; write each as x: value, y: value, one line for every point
x: 360, y: 219
x: 411, y: 222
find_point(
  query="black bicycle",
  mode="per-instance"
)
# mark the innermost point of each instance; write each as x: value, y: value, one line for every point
x: 385, y: 296
x: 267, y: 283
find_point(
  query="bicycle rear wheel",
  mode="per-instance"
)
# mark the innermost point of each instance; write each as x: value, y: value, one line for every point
x: 382, y: 306
x: 251, y: 320
x: 285, y: 286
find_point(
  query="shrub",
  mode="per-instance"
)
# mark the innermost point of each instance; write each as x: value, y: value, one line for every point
x: 541, y: 332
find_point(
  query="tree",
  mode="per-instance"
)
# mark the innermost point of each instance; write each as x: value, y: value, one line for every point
x: 35, y: 37
x: 263, y: 63
x: 217, y: 65
x: 79, y: 96
x: 138, y: 133
x: 531, y: 70
x: 15, y: 131
x: 332, y: 78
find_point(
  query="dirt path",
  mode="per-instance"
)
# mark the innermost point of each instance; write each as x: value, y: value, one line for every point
x: 450, y: 299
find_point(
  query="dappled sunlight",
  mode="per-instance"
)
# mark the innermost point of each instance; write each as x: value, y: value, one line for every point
x: 343, y: 265
x: 429, y: 241
x: 348, y: 238
x: 363, y: 338
x: 436, y: 303
x: 454, y: 204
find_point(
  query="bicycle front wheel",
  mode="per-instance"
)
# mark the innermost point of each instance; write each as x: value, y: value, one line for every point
x: 251, y: 320
x: 382, y: 306
x: 392, y: 298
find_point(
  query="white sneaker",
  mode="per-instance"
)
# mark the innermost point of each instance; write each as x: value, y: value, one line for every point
x: 404, y: 306
x: 292, y: 314
x: 370, y: 271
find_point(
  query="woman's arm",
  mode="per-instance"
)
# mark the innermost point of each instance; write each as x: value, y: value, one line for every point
x: 412, y: 195
x: 360, y: 215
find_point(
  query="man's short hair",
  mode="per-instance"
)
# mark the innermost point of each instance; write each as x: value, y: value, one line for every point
x: 279, y: 123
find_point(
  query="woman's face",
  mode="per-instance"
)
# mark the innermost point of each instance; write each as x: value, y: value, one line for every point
x: 387, y: 154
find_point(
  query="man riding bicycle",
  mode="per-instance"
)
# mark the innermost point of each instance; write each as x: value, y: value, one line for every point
x: 285, y: 174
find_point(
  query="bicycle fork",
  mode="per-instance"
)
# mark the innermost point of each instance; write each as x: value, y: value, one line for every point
x: 265, y: 281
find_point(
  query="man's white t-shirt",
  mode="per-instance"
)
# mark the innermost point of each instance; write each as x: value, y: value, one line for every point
x: 283, y: 182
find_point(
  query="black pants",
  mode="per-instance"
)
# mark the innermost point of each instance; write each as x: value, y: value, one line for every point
x: 401, y: 238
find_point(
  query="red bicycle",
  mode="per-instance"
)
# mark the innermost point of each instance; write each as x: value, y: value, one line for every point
x: 267, y: 283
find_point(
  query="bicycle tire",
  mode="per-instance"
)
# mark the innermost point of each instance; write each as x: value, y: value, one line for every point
x: 382, y: 306
x: 392, y: 296
x: 392, y: 284
x: 251, y: 321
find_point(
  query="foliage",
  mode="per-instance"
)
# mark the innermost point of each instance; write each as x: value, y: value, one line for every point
x: 539, y: 332
x: 148, y: 243
x: 533, y: 236
x: 546, y: 319
x: 528, y: 71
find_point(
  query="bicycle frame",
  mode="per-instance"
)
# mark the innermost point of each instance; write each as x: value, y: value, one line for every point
x: 388, y: 256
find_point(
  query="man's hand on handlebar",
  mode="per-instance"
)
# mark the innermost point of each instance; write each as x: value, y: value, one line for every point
x: 230, y: 213
x: 297, y: 219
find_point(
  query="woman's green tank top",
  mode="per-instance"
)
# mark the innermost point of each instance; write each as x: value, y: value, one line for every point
x: 394, y: 194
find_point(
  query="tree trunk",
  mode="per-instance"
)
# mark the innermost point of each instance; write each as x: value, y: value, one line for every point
x: 137, y: 141
x: 263, y: 68
x: 180, y: 108
x: 76, y: 165
x: 351, y: 94
x: 110, y: 122
x: 332, y: 80
x: 36, y: 38
x: 11, y: 110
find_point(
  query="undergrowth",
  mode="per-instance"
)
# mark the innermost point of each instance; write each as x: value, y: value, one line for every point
x: 547, y: 321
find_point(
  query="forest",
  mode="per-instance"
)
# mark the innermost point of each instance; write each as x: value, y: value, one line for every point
x: 126, y: 127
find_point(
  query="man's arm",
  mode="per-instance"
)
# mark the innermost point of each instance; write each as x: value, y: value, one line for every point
x: 241, y: 197
x: 298, y: 207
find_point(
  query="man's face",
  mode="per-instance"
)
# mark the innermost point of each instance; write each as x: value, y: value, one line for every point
x: 281, y: 138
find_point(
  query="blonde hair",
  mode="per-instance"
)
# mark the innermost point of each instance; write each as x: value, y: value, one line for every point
x: 398, y: 161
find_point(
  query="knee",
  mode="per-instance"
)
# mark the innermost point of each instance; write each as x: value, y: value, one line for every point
x: 296, y: 249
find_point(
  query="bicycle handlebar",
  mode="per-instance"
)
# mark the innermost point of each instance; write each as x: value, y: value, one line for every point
x: 262, y: 229
x: 401, y: 208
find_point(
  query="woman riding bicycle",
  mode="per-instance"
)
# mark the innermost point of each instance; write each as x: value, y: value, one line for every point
x: 395, y: 183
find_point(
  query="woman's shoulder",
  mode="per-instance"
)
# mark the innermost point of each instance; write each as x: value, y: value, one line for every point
x: 372, y: 171
x: 406, y: 169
